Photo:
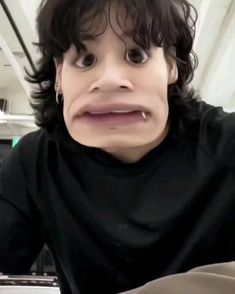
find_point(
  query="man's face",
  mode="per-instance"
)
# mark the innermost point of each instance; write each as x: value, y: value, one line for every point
x: 115, y: 94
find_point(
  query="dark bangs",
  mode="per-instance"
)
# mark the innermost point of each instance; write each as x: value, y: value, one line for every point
x: 164, y: 23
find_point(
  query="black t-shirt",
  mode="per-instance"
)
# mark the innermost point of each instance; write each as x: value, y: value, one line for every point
x: 113, y: 226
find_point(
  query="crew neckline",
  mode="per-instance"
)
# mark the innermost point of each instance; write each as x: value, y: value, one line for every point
x: 107, y: 160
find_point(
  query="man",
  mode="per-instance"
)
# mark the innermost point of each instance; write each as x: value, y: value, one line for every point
x: 131, y: 177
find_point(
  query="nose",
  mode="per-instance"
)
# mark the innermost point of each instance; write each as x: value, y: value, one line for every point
x: 111, y: 78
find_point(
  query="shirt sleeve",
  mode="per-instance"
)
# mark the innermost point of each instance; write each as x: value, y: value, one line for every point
x: 21, y: 237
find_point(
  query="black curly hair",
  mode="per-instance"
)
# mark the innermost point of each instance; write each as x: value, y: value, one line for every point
x: 164, y: 23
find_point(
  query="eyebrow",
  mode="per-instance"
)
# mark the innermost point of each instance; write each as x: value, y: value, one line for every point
x: 97, y: 39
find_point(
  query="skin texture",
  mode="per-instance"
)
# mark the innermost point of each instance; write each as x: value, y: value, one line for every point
x: 113, y: 77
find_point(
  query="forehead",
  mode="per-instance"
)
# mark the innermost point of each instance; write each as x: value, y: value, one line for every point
x: 128, y: 20
x: 113, y: 17
x: 103, y: 43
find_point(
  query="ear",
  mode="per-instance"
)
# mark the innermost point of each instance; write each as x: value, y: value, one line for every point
x: 58, y: 79
x: 173, y: 73
x: 173, y: 69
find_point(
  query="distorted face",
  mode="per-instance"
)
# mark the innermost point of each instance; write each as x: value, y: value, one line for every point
x: 115, y: 93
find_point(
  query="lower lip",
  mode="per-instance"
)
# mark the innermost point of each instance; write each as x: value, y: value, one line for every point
x: 111, y: 119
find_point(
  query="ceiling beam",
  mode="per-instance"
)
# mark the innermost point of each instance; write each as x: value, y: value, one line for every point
x: 218, y: 86
x: 212, y: 14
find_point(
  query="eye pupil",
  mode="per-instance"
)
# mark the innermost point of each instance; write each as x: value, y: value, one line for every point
x: 136, y: 56
x: 89, y: 60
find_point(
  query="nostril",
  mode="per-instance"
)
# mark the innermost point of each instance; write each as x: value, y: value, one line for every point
x: 123, y: 87
x: 95, y: 89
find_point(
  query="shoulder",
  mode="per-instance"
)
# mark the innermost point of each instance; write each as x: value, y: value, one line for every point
x: 217, y: 134
x: 18, y: 171
x: 33, y: 144
x: 23, y: 155
x: 31, y: 141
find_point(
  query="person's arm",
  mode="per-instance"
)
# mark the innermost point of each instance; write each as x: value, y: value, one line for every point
x: 207, y: 279
x: 20, y: 241
x: 20, y: 235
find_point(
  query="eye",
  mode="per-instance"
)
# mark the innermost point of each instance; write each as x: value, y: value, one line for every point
x: 137, y: 55
x: 86, y: 60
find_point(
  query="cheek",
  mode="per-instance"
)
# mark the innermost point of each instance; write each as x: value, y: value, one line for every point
x: 154, y: 87
x: 155, y: 79
x: 73, y: 88
x: 69, y: 79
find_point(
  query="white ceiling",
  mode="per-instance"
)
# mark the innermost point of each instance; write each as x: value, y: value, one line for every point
x: 214, y: 45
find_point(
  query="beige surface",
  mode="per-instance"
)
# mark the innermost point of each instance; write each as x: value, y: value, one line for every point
x: 210, y: 279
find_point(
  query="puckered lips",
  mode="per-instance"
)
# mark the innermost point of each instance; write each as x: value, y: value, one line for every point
x: 112, y: 114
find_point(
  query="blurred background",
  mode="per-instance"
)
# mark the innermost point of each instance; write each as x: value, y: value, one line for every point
x: 214, y: 78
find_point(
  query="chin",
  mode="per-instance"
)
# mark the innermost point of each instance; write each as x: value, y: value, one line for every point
x: 125, y: 139
x: 114, y: 143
